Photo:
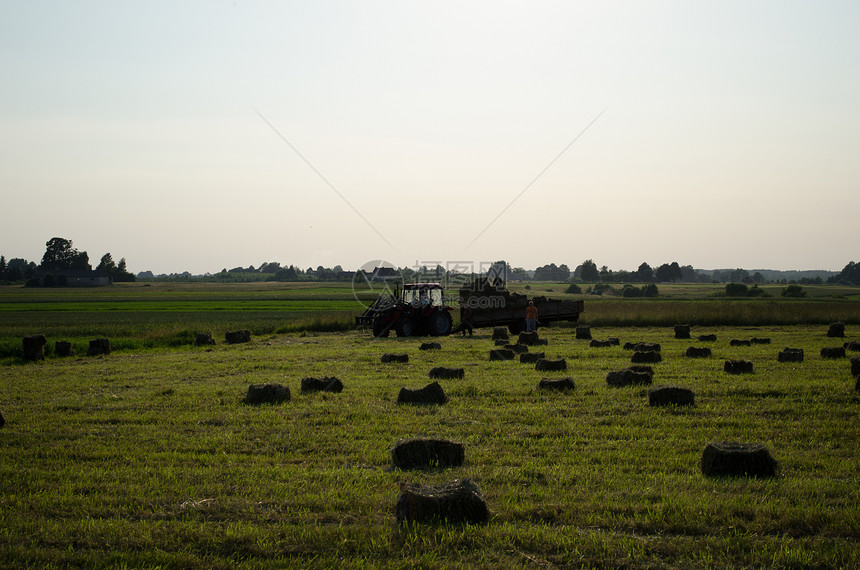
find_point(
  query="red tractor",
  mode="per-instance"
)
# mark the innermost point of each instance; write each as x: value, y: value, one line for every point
x: 416, y: 309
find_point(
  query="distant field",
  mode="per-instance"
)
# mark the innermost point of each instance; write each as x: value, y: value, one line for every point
x: 150, y: 459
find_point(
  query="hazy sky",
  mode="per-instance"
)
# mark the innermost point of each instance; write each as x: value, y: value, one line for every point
x: 729, y: 134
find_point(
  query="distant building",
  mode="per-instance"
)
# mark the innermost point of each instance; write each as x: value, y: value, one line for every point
x: 71, y: 278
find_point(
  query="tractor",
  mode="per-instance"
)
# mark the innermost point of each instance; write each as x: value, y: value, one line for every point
x: 415, y: 309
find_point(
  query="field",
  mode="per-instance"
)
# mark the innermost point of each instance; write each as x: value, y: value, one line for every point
x: 149, y: 457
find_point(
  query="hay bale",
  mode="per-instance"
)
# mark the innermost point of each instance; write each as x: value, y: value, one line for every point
x: 600, y: 344
x: 500, y: 342
x: 855, y: 366
x: 517, y: 348
x: 707, y: 338
x: 447, y: 373
x: 632, y: 376
x: 34, y: 347
x: 2, y: 419
x: 500, y: 333
x: 528, y: 338
x: 583, y: 332
x: 63, y: 348
x: 671, y: 396
x: 682, y: 331
x: 386, y: 358
x: 696, y: 352
x: 501, y: 354
x: 547, y: 365
x: 531, y: 357
x: 790, y: 355
x: 836, y: 330
x: 427, y: 453
x: 456, y: 502
x: 236, y: 337
x: 646, y: 356
x: 203, y: 339
x: 737, y: 342
x: 833, y: 352
x: 324, y: 384
x: 613, y: 341
x: 756, y: 340
x: 266, y: 394
x: 737, y: 460
x: 430, y: 394
x: 646, y: 347
x: 561, y: 384
x: 738, y: 367
x: 430, y: 346
x: 98, y: 346
x: 853, y: 346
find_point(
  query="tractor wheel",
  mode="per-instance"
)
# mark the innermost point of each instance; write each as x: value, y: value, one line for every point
x: 404, y: 327
x: 440, y: 323
x: 380, y: 328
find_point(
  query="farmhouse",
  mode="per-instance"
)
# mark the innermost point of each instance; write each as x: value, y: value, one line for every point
x: 71, y: 278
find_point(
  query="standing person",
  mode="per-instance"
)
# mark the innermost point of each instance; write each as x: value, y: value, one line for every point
x: 466, y: 319
x: 531, y: 317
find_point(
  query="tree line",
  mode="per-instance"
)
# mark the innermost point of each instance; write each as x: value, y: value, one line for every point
x: 61, y: 255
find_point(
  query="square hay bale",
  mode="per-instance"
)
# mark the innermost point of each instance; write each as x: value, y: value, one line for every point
x: 531, y: 357
x: 682, y: 331
x: 266, y: 394
x: 63, y: 348
x: 427, y: 453
x: 737, y: 342
x: 833, y: 352
x: 442, y: 372
x: 430, y: 394
x: 646, y: 347
x: 2, y: 419
x: 732, y: 459
x: 600, y: 344
x: 34, y: 347
x: 671, y: 396
x: 646, y: 356
x: 583, y: 332
x: 855, y: 366
x: 852, y: 346
x: 528, y: 338
x: 560, y: 384
x: 547, y: 365
x: 632, y: 376
x: 324, y: 384
x: 614, y: 341
x: 430, y: 346
x: 517, y: 348
x: 738, y: 367
x: 98, y: 346
x: 756, y: 340
x: 500, y: 333
x: 696, y: 352
x: 236, y: 337
x: 836, y: 330
x: 456, y: 502
x: 203, y: 339
x: 387, y: 358
x: 502, y: 354
x: 790, y: 355
x: 500, y: 342
x: 707, y: 338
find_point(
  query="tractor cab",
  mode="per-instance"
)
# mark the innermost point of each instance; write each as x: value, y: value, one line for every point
x: 423, y: 295
x: 413, y: 309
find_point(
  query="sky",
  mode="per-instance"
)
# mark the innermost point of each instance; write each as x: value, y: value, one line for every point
x: 196, y: 136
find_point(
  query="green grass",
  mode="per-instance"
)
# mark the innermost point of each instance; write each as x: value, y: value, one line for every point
x: 144, y: 459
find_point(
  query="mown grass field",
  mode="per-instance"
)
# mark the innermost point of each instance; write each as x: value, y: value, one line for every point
x: 148, y: 457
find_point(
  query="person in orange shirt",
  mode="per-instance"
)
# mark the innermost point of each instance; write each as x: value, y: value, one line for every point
x: 531, y: 317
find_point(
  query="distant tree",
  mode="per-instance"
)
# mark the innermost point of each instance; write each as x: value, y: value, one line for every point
x: 650, y: 290
x: 2, y: 267
x: 669, y: 272
x: 645, y: 274
x: 18, y: 269
x: 59, y: 254
x: 688, y: 274
x: 106, y: 264
x: 850, y: 275
x: 552, y: 273
x: 631, y: 291
x: 589, y: 272
x: 793, y: 291
x: 573, y: 288
x: 736, y: 290
x: 758, y: 277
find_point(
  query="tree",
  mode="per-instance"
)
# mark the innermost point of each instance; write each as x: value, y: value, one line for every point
x: 106, y: 264
x: 669, y: 272
x: 645, y: 274
x: 589, y: 272
x: 2, y: 267
x: 59, y: 254
x: 850, y: 275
